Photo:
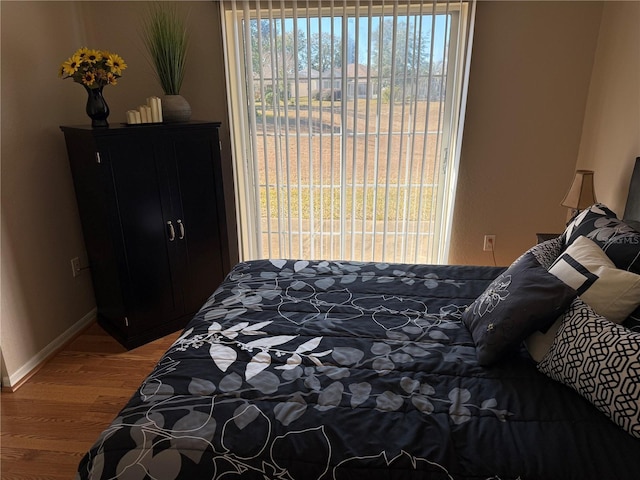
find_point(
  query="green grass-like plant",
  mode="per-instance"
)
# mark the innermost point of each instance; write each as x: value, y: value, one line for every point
x: 165, y: 37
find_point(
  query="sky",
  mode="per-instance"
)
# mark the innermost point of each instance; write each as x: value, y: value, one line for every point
x: 316, y: 25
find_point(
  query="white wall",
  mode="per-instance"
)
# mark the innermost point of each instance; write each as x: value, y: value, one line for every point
x: 611, y: 134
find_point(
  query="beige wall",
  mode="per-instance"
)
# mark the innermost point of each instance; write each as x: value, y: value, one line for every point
x: 528, y: 84
x: 41, y: 301
x: 611, y: 133
x: 40, y: 225
x: 531, y: 68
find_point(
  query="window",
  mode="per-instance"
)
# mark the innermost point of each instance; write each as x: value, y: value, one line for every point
x: 346, y: 121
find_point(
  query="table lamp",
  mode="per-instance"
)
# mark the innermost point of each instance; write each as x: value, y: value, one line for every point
x: 581, y: 194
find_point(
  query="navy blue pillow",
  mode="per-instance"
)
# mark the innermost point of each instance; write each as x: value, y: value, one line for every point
x: 618, y: 239
x: 633, y: 321
x: 523, y: 299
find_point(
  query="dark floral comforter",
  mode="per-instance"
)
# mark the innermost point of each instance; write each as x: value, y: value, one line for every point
x: 336, y: 370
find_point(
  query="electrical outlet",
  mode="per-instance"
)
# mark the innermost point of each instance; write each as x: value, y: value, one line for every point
x: 489, y: 243
x: 75, y: 266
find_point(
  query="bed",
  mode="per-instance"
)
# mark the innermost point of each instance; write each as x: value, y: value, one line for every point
x: 297, y: 369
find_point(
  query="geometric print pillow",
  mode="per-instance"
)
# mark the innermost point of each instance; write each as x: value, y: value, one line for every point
x: 601, y: 361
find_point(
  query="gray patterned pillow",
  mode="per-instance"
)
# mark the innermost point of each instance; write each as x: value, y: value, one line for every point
x: 545, y: 252
x: 601, y: 361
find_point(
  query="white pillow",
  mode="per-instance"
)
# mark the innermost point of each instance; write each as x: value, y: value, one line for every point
x: 609, y: 291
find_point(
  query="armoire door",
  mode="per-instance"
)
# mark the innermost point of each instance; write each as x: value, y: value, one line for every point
x: 195, y: 197
x: 136, y: 184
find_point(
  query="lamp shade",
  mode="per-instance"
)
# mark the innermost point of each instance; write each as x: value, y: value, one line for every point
x: 581, y: 194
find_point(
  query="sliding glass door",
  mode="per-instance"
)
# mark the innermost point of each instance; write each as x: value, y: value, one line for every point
x: 346, y: 124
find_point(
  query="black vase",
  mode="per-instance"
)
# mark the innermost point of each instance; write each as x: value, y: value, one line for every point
x: 97, y: 107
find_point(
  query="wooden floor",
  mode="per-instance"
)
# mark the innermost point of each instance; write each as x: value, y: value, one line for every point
x: 55, y: 417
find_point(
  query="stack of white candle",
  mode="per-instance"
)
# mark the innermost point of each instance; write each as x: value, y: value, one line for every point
x: 149, y: 113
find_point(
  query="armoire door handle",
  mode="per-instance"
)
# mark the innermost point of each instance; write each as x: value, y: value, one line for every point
x: 172, y: 231
x: 181, y: 227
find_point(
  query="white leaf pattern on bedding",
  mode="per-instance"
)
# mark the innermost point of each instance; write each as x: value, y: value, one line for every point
x: 309, y: 345
x: 258, y: 363
x: 403, y: 461
x: 292, y: 362
x: 295, y: 469
x: 223, y: 356
x: 268, y: 342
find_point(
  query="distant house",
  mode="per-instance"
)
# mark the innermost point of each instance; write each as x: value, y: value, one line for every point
x: 358, y: 81
x: 361, y: 82
x: 308, y: 82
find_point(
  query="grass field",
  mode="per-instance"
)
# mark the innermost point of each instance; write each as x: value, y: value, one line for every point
x: 315, y: 170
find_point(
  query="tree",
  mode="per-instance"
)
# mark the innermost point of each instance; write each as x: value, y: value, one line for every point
x: 296, y: 51
x: 326, y: 52
x: 411, y: 51
x: 275, y: 54
x: 259, y: 31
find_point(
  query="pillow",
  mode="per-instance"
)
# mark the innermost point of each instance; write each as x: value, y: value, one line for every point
x: 546, y: 252
x: 632, y: 223
x: 619, y: 241
x: 611, y: 292
x: 601, y: 361
x: 633, y: 321
x: 523, y: 299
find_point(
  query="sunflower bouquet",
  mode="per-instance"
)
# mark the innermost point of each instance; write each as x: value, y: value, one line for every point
x: 93, y: 68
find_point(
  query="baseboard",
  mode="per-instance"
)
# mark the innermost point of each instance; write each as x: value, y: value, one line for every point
x: 15, y: 380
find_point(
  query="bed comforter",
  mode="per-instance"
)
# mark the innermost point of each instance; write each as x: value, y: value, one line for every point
x: 340, y: 370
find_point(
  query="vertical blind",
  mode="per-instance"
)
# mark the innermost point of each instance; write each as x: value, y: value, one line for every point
x: 346, y: 122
